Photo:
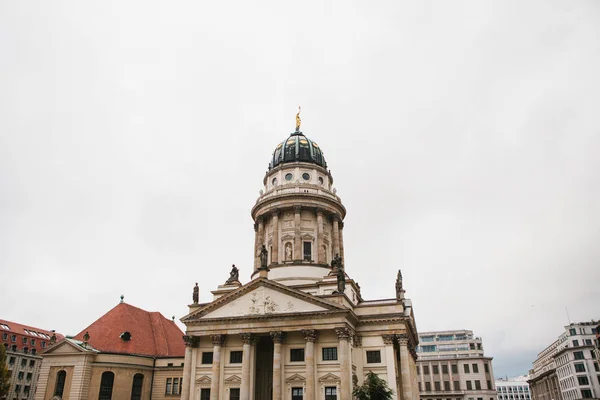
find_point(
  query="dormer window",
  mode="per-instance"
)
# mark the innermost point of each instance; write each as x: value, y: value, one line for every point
x: 126, y: 336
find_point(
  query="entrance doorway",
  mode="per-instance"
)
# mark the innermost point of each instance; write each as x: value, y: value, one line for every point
x: 263, y: 385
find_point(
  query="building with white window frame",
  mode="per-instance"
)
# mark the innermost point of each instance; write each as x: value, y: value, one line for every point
x: 515, y: 388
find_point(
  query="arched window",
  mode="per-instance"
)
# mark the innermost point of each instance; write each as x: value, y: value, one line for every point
x: 136, y: 387
x: 59, y: 387
x: 106, y: 386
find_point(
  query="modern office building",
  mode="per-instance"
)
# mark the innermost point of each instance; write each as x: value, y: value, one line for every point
x: 23, y: 345
x: 568, y: 369
x: 515, y: 388
x: 452, y: 365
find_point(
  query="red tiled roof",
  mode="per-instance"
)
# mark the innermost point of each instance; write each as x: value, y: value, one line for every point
x: 30, y: 332
x: 151, y: 333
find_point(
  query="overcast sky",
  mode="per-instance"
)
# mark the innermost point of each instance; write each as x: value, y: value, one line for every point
x: 463, y: 138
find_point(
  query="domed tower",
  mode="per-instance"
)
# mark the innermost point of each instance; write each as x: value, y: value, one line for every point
x: 298, y: 216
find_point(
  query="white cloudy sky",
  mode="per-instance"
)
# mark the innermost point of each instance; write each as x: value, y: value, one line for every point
x: 463, y: 138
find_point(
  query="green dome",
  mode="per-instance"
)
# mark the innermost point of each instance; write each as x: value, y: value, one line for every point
x: 297, y: 148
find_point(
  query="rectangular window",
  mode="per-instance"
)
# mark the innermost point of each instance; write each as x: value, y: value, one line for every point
x: 426, y: 369
x: 419, y: 383
x: 21, y: 375
x: 330, y: 393
x: 428, y: 386
x: 207, y: 357
x: 11, y: 361
x: 234, y: 394
x: 235, y: 357
x: 456, y: 385
x: 373, y: 357
x: 477, y: 385
x: 454, y: 368
x: 296, y: 354
x: 445, y: 338
x: 29, y: 375
x: 437, y: 386
x: 489, y: 385
x: 575, y: 343
x: 426, y: 339
x: 168, y: 386
x: 307, y: 246
x: 469, y: 385
x: 24, y: 340
x: 428, y: 349
x: 486, y: 367
x: 329, y: 354
x: 23, y: 362
x: 586, y: 393
x: 436, y: 370
x: 475, y: 368
x: 466, y: 367
x: 31, y: 363
x: 444, y: 369
x: 175, y: 385
x: 205, y: 394
x: 447, y: 385
x: 596, y: 367
x: 579, y: 367
x: 17, y: 388
x: 297, y: 393
x: 583, y: 380
x: 572, y: 332
x: 578, y: 355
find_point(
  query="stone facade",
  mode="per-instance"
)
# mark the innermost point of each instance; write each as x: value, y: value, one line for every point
x: 300, y: 328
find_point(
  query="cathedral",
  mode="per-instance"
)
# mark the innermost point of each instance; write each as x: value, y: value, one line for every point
x: 300, y: 329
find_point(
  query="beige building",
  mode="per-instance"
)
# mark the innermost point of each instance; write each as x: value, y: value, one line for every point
x: 452, y: 365
x: 568, y: 368
x: 127, y: 354
x: 300, y: 329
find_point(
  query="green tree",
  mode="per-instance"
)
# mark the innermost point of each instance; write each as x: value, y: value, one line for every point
x: 374, y: 388
x: 4, y: 374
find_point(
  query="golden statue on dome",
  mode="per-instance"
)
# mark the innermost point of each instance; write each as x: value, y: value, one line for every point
x: 298, y: 120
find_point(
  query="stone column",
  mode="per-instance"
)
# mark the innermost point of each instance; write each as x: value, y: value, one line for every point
x: 390, y: 359
x: 215, y: 379
x: 343, y: 335
x: 260, y: 240
x: 357, y: 344
x: 277, y: 338
x: 275, y: 250
x: 310, y: 336
x: 321, y: 256
x: 245, y: 385
x: 190, y: 343
x: 297, y: 238
x: 341, y: 236
x: 407, y: 387
x: 336, y: 234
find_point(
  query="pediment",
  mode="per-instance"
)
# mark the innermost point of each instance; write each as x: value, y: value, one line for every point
x: 296, y: 378
x: 67, y: 347
x: 203, y: 380
x: 261, y: 297
x: 233, y: 380
x: 329, y: 378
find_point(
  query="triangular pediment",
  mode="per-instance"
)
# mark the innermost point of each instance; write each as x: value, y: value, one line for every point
x: 262, y: 297
x: 296, y: 378
x: 329, y: 378
x: 203, y: 381
x: 66, y: 346
x: 233, y: 380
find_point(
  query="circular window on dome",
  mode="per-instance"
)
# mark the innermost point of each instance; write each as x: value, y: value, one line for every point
x: 306, y: 176
x: 320, y: 181
x: 274, y: 181
x: 289, y: 177
x: 315, y: 145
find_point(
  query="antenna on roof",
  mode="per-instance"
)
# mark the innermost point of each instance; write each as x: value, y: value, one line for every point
x: 568, y: 318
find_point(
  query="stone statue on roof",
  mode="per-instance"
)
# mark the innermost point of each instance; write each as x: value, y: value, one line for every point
x: 196, y: 294
x: 341, y: 278
x: 234, y: 275
x: 264, y: 256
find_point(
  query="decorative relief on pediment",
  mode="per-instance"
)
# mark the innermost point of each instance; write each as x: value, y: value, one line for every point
x: 263, y: 301
x: 329, y: 378
x: 233, y: 380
